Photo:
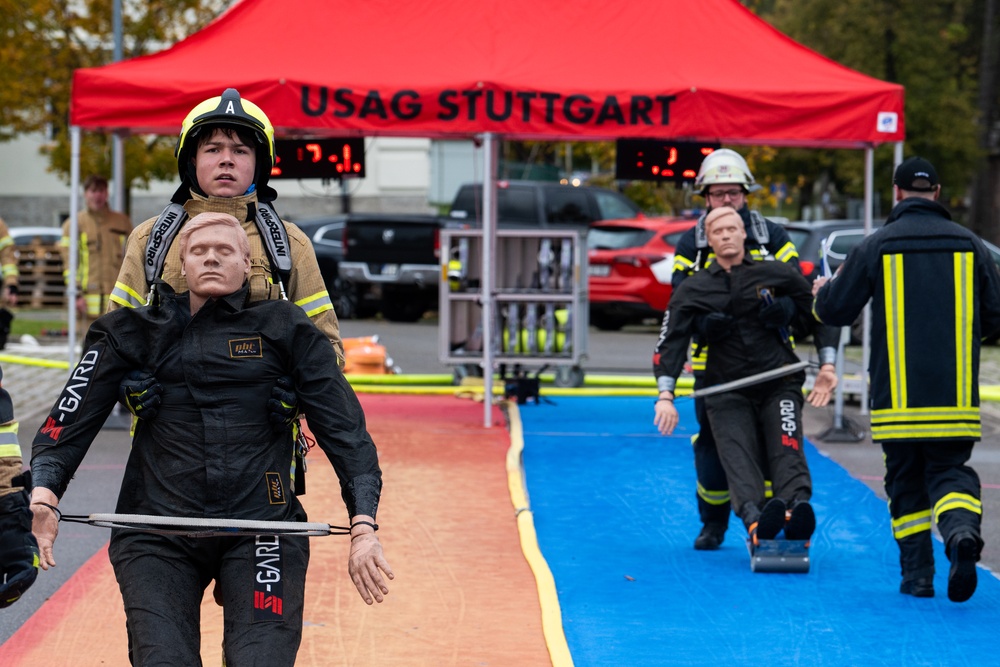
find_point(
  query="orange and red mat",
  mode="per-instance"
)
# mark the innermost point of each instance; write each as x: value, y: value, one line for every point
x: 464, y: 593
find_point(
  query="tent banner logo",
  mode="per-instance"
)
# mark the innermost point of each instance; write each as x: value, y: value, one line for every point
x: 528, y: 107
x: 888, y: 121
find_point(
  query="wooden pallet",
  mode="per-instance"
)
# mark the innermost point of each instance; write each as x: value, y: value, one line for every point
x: 41, y: 281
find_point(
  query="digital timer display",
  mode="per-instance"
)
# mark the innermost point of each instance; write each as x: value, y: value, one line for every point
x: 659, y: 160
x: 319, y: 158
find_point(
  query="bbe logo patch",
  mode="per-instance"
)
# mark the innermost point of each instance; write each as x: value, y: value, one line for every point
x: 275, y: 491
x: 245, y: 348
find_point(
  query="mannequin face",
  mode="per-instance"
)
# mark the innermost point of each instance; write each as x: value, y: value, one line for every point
x: 224, y: 165
x: 213, y: 263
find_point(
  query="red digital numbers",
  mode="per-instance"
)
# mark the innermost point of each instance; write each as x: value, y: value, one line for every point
x: 319, y: 158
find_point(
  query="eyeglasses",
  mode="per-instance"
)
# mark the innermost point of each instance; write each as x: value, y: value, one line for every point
x: 720, y: 195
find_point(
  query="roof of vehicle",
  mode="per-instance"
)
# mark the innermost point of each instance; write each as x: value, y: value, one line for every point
x: 649, y: 222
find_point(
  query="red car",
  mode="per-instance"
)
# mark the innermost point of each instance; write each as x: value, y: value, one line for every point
x: 630, y: 262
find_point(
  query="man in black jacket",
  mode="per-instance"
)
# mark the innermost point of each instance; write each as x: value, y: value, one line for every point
x: 724, y: 179
x: 763, y: 422
x: 211, y: 453
x: 935, y: 294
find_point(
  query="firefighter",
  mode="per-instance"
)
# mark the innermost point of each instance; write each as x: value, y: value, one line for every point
x: 211, y: 453
x: 18, y: 547
x: 225, y: 153
x: 724, y: 179
x: 100, y: 249
x: 762, y: 422
x: 935, y: 295
x: 11, y: 278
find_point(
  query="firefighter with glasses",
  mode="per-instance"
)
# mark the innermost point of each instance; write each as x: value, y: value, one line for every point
x: 724, y: 179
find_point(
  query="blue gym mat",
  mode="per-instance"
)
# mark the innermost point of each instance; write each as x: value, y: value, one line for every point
x: 615, y: 512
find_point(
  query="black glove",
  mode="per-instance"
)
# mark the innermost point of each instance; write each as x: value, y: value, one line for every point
x: 778, y: 314
x: 713, y: 327
x: 18, y: 547
x: 140, y: 393
x: 283, y: 404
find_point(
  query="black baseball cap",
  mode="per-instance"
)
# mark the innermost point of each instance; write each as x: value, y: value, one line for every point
x: 915, y: 175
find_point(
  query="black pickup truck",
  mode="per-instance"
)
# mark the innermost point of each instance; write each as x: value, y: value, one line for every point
x: 392, y: 262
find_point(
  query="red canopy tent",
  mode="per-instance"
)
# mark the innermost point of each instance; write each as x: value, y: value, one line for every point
x: 587, y: 69
x: 520, y: 68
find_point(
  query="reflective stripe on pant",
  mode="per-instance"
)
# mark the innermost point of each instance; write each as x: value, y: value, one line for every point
x: 713, y: 489
x: 757, y: 430
x: 163, y: 580
x: 928, y: 481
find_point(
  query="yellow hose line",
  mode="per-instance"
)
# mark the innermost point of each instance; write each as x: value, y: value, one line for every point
x: 546, y: 379
x: 33, y: 361
x: 548, y: 597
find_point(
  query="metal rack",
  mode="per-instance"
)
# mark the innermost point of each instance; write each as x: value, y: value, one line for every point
x: 540, y: 302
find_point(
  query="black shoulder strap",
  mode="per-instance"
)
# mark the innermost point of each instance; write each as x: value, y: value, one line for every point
x: 758, y: 228
x: 275, y: 238
x: 161, y: 237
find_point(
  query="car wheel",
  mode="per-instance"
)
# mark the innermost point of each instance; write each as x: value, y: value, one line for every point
x: 606, y: 322
x: 396, y: 309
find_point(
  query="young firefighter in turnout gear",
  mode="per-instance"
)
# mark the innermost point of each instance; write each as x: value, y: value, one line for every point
x: 724, y: 180
x: 211, y: 453
x: 224, y: 156
x: 759, y: 423
x: 100, y: 251
x: 935, y: 294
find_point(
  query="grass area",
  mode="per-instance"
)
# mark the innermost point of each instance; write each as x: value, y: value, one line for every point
x: 37, y: 322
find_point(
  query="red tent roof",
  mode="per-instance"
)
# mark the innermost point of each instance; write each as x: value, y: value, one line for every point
x: 601, y: 69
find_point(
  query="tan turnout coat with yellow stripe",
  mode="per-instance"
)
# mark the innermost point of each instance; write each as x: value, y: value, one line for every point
x: 100, y: 250
x: 305, y: 285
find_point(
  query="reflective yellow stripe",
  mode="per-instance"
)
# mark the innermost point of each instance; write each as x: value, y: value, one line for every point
x: 10, y: 270
x: 964, y: 304
x: 713, y: 497
x: 6, y: 242
x: 7, y: 451
x: 787, y: 252
x: 93, y: 304
x: 125, y: 296
x: 957, y: 501
x: 316, y: 303
x: 936, y: 422
x: 911, y: 524
x: 8, y: 440
x: 892, y: 276
x: 682, y: 264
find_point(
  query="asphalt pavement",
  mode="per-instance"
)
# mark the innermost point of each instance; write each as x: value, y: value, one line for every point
x: 414, y: 349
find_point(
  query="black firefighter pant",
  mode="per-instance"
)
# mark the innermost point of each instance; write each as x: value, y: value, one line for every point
x: 163, y: 579
x: 760, y: 428
x: 918, y: 475
x: 713, y: 489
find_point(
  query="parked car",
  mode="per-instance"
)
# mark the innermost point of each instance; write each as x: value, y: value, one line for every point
x: 543, y: 204
x: 29, y: 235
x: 327, y: 236
x: 630, y: 263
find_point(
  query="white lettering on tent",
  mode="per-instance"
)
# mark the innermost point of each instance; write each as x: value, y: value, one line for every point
x: 230, y: 108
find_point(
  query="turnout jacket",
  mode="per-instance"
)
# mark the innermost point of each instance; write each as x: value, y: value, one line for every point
x: 305, y: 286
x: 750, y: 347
x: 8, y: 260
x: 100, y: 251
x: 935, y: 293
x: 211, y: 451
x: 764, y: 239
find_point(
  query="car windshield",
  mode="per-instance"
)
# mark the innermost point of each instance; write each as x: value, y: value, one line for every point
x: 617, y: 238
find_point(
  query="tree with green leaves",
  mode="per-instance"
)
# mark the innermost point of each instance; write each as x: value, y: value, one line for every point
x: 44, y: 41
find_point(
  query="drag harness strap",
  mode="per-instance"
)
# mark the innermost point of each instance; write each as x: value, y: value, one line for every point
x: 750, y: 380
x: 199, y: 527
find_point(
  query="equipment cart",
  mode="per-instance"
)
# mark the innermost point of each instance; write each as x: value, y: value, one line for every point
x: 540, y: 302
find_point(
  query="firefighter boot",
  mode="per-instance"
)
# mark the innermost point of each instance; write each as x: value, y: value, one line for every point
x: 963, y: 552
x: 711, y: 536
x: 921, y: 587
x: 801, y: 521
x: 769, y: 523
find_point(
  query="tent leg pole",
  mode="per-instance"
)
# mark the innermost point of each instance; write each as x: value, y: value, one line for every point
x: 74, y: 242
x: 489, y: 235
